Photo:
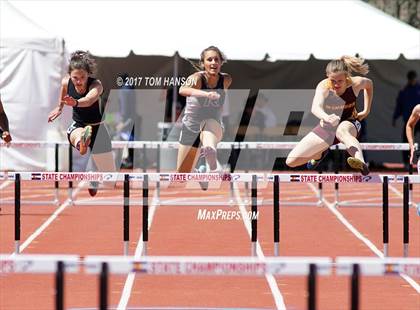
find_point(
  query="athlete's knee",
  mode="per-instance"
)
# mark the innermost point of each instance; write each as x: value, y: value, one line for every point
x: 291, y: 161
x: 342, y: 133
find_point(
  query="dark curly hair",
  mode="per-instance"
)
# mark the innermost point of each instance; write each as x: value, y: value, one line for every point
x: 82, y: 60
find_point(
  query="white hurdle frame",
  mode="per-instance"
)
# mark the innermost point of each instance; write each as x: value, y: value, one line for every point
x: 311, y: 267
x: 227, y: 177
x: 222, y: 145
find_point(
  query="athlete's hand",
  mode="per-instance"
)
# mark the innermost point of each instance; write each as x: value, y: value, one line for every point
x: 361, y: 115
x: 331, y: 119
x: 6, y: 137
x: 54, y: 114
x: 212, y: 95
x: 67, y: 100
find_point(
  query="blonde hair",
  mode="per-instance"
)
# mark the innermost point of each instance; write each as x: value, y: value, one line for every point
x: 348, y: 65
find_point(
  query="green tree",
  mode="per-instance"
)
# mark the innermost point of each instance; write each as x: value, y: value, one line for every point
x: 407, y: 11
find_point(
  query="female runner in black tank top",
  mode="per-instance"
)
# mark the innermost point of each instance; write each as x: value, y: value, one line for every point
x: 206, y: 85
x: 82, y: 92
x: 334, y: 105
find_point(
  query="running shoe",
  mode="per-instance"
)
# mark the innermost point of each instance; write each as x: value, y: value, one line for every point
x: 358, y: 165
x: 93, y: 188
x: 204, y: 185
x: 85, y: 140
x: 313, y: 163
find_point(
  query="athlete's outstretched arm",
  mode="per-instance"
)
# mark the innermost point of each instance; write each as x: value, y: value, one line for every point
x: 4, y: 121
x: 57, y: 110
x: 4, y: 125
x: 91, y: 97
x: 192, y: 88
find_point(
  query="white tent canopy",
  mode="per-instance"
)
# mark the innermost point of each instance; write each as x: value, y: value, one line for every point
x: 242, y: 29
x: 32, y: 64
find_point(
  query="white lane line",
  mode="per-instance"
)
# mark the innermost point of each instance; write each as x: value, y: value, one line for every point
x: 360, y: 236
x: 53, y: 216
x: 396, y: 191
x: 275, y: 291
x: 10, y: 199
x: 137, y: 201
x: 128, y: 285
x: 5, y: 184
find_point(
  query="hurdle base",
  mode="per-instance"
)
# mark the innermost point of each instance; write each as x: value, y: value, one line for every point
x: 17, y: 247
x: 386, y: 250
x: 253, y: 249
x: 70, y: 196
x: 144, y: 252
x: 126, y: 244
x: 56, y: 197
x: 276, y: 249
x: 405, y: 252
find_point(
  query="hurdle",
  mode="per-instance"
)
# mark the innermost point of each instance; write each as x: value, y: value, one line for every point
x: 352, y: 178
x: 43, y: 264
x: 60, y: 176
x: 373, y: 147
x: 103, y: 266
x: 276, y: 179
x: 159, y: 145
x: 355, y: 267
x: 309, y: 267
x: 99, y: 176
x: 34, y: 144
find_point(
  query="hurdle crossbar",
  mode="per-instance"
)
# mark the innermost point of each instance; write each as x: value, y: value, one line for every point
x: 376, y: 266
x: 103, y: 266
x: 208, y: 177
x: 378, y: 146
x: 32, y: 263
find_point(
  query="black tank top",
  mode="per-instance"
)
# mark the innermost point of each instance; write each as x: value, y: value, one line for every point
x: 86, y: 115
x: 219, y: 85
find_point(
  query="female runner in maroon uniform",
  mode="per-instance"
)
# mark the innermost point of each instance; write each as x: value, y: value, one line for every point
x: 334, y: 104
